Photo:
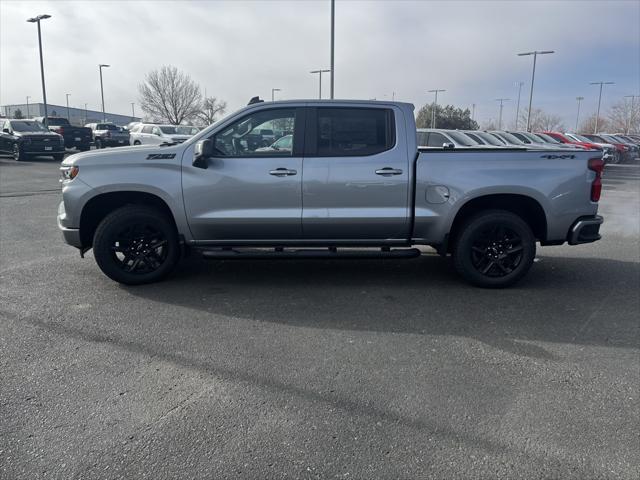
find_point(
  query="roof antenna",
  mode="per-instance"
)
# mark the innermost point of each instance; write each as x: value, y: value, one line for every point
x: 255, y: 100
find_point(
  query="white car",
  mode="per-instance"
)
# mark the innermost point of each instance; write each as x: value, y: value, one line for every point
x: 151, y: 134
x: 283, y: 144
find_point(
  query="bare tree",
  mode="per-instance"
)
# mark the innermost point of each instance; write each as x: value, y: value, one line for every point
x: 169, y: 94
x: 542, y: 121
x: 489, y: 125
x: 624, y: 116
x: 209, y: 110
x: 589, y: 125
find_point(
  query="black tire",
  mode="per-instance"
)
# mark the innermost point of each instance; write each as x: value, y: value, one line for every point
x: 494, y: 249
x: 98, y: 143
x: 123, y: 245
x: 18, y: 153
x: 137, y: 142
x: 58, y: 157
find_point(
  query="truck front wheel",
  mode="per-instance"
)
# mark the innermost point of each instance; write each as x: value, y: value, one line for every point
x: 494, y: 249
x: 136, y: 244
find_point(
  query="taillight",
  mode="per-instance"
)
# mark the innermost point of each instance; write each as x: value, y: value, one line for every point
x: 61, y: 130
x: 596, y: 165
x: 108, y: 135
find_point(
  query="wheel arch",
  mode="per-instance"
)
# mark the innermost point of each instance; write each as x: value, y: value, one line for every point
x: 526, y: 207
x: 98, y: 207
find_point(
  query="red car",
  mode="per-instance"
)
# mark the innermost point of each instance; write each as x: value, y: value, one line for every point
x: 561, y: 138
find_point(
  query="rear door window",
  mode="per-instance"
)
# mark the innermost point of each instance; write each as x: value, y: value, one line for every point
x: 343, y: 132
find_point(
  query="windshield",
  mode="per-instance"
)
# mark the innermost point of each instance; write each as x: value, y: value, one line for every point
x: 28, y: 126
x: 462, y: 139
x: 490, y: 139
x: 532, y: 138
x: 107, y: 126
x: 57, y: 121
x: 547, y: 138
x: 168, y: 129
x: 510, y: 138
x: 581, y: 138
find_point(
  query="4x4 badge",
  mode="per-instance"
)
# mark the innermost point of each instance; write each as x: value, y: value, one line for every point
x: 160, y: 156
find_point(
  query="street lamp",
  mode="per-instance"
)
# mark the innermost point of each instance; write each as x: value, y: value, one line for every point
x: 579, y: 99
x: 28, y: 114
x: 333, y: 31
x: 85, y: 113
x: 133, y: 112
x: 68, y: 94
x: 599, y: 100
x: 320, y: 72
x: 435, y: 105
x: 101, y: 66
x: 520, y: 84
x: 273, y: 90
x: 533, y: 76
x: 501, y: 100
x: 44, y: 91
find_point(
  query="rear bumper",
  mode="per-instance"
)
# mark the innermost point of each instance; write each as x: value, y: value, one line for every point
x: 585, y: 230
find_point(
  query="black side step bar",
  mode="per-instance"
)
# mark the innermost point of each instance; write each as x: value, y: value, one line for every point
x: 269, y: 254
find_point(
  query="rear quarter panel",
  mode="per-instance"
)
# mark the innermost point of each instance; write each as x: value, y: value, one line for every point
x: 560, y: 185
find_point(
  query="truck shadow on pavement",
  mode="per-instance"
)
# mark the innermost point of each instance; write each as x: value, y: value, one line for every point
x: 562, y: 300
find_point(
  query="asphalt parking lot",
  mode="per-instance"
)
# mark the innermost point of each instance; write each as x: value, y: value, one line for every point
x: 316, y: 369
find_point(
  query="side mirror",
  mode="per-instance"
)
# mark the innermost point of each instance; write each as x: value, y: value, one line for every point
x: 202, y: 150
x: 5, y: 130
x: 448, y: 146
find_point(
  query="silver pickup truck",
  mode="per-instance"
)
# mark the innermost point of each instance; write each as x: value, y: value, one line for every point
x: 352, y: 183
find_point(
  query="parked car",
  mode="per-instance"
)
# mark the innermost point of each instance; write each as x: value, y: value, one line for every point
x: 439, y: 138
x: 283, y: 144
x: 355, y: 178
x: 26, y: 138
x: 609, y: 154
x: 534, y: 142
x: 189, y: 130
x: 74, y: 136
x: 633, y: 152
x: 621, y: 149
x: 484, y: 138
x: 151, y: 134
x: 564, y: 138
x: 108, y: 135
x: 508, y: 139
x: 130, y: 125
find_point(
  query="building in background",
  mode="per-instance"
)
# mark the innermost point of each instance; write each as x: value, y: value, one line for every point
x: 76, y: 116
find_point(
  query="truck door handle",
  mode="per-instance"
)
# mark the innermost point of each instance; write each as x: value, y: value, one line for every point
x: 388, y: 171
x: 282, y: 172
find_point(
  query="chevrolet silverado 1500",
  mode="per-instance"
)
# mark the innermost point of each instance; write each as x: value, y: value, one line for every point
x: 351, y: 184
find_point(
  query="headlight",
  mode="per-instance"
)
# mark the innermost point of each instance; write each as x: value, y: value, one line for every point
x: 69, y: 172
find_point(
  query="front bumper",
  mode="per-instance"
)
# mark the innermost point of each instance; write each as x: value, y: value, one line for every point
x: 585, y: 230
x: 39, y: 150
x: 71, y: 235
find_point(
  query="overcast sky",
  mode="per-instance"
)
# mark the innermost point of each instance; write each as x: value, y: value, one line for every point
x: 238, y: 49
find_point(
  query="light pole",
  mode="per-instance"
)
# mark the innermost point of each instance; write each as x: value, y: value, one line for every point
x: 599, y: 100
x: 101, y: 66
x: 273, y: 90
x: 533, y: 76
x: 28, y: 114
x: 501, y: 100
x: 435, y: 106
x: 579, y: 99
x: 67, y: 94
x: 85, y: 113
x: 133, y: 112
x: 473, y: 111
x: 320, y: 72
x: 333, y: 32
x: 520, y: 84
x: 44, y: 90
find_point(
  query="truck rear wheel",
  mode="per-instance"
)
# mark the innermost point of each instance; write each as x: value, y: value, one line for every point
x: 494, y: 249
x: 135, y: 245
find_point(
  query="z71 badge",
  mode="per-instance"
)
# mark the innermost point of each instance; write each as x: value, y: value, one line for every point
x: 160, y: 156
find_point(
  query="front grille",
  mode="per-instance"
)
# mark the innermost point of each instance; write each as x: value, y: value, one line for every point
x: 42, y: 141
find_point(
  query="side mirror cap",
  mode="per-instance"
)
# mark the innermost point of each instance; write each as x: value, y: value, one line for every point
x: 448, y: 146
x: 202, y: 150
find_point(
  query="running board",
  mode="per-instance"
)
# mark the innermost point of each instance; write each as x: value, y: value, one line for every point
x: 275, y: 253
